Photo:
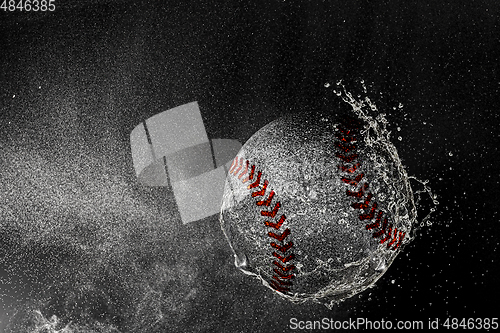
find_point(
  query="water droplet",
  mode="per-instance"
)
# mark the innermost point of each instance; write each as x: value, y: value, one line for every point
x: 381, y: 266
x: 450, y: 153
x: 240, y: 261
x: 400, y: 138
x: 399, y: 128
x: 327, y: 85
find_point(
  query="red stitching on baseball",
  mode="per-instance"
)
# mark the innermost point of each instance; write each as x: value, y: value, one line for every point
x: 235, y: 161
x: 387, y: 235
x: 244, y: 171
x: 256, y: 182
x: 347, y: 159
x: 363, y: 205
x: 284, y: 272
x: 354, y: 181
x: 345, y: 148
x: 351, y: 169
x: 272, y: 213
x: 381, y: 231
x: 276, y: 225
x: 401, y: 236
x: 359, y: 193
x: 346, y: 133
x: 240, y: 166
x: 370, y: 215
x: 284, y: 268
x: 250, y: 177
x: 345, y: 138
x: 266, y: 202
x: 283, y: 276
x: 376, y: 223
x: 284, y: 259
x: 262, y: 191
x: 283, y: 248
x: 395, y: 237
x: 279, y: 237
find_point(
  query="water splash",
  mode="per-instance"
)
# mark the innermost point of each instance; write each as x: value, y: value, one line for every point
x: 377, y: 124
x: 325, y: 252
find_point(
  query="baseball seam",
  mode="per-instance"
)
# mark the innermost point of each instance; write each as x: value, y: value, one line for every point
x: 284, y: 270
x: 346, y: 142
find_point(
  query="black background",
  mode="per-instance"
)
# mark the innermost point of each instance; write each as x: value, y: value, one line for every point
x: 76, y: 81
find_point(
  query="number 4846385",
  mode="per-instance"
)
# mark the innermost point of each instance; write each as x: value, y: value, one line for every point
x: 471, y: 323
x: 28, y: 5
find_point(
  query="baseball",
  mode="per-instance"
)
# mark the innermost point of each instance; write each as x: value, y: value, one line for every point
x: 317, y: 207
